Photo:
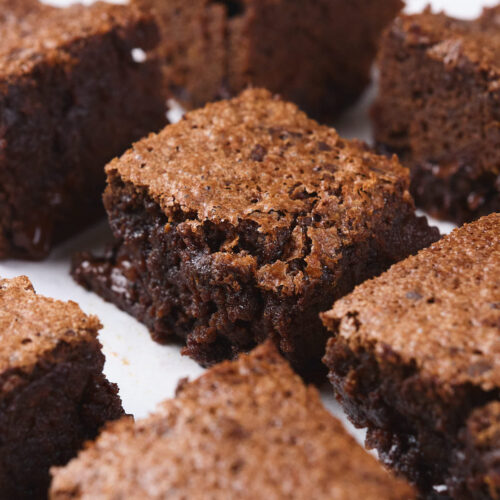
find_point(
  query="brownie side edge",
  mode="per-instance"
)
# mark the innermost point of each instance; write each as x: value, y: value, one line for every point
x: 47, y: 414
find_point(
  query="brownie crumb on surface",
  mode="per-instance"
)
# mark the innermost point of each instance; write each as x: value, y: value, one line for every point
x: 246, y: 429
x: 439, y: 108
x: 316, y: 54
x: 71, y: 98
x: 53, y: 394
x: 244, y: 221
x: 415, y: 358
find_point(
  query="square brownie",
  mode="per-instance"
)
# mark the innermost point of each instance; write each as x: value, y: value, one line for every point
x: 71, y: 98
x: 244, y: 221
x: 53, y: 394
x: 216, y: 48
x: 439, y: 109
x: 415, y: 357
x: 246, y: 429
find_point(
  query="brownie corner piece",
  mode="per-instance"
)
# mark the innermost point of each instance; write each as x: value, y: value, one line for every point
x: 71, y: 98
x: 53, y: 394
x: 414, y: 357
x: 439, y: 107
x: 245, y: 220
x: 230, y: 434
x: 261, y: 44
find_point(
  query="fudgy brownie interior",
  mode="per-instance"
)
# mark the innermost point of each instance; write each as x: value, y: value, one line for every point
x: 53, y: 395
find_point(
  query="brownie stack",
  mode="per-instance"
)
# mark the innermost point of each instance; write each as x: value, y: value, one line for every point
x: 244, y: 221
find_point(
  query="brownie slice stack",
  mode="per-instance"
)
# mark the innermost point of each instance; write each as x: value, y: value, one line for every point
x: 53, y: 395
x: 71, y: 98
x: 415, y: 357
x: 439, y: 109
x: 316, y: 54
x: 248, y: 429
x: 244, y: 221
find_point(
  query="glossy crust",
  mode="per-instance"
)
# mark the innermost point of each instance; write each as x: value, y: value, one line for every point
x: 244, y: 221
x: 263, y: 43
x: 439, y: 109
x: 416, y: 352
x: 53, y: 394
x: 231, y: 434
x: 71, y: 98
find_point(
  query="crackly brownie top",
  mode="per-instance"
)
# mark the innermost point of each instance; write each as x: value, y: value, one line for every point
x: 259, y: 160
x: 246, y: 429
x: 457, y: 43
x: 32, y: 32
x: 439, y: 309
x: 32, y: 325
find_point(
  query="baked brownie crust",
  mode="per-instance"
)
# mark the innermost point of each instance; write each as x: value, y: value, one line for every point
x: 71, y: 98
x: 244, y: 221
x: 262, y: 43
x: 438, y: 108
x: 231, y: 434
x: 53, y: 394
x: 415, y: 353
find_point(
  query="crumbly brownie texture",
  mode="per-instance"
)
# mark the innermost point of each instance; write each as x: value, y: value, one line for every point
x: 439, y: 109
x: 53, y: 395
x: 216, y: 48
x: 476, y: 471
x: 231, y: 434
x: 243, y: 222
x: 415, y: 357
x: 71, y: 98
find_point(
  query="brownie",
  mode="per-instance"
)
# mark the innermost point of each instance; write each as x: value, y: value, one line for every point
x: 53, y: 394
x: 439, y: 109
x: 216, y: 48
x: 246, y: 429
x: 244, y: 221
x: 71, y: 98
x: 415, y: 358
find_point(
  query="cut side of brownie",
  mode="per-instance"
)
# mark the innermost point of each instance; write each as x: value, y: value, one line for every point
x: 214, y: 49
x: 476, y: 468
x: 244, y: 221
x: 439, y: 109
x: 53, y: 394
x: 71, y: 98
x: 415, y: 357
x: 246, y: 429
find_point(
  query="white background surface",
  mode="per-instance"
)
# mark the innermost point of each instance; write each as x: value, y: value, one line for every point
x: 145, y: 371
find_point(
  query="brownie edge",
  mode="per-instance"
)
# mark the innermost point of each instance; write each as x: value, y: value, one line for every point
x: 53, y: 394
x: 415, y: 357
x: 245, y: 429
